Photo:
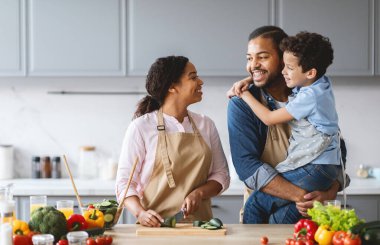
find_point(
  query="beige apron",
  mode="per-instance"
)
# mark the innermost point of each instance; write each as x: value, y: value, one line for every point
x: 275, y: 149
x: 182, y: 164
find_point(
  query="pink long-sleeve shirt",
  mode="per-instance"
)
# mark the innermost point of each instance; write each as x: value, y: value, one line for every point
x: 141, y: 141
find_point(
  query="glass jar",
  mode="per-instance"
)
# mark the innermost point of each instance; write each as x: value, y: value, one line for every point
x: 46, y: 167
x: 6, y: 222
x: 77, y: 237
x: 36, y: 167
x: 43, y: 239
x: 88, y: 168
x: 56, y: 167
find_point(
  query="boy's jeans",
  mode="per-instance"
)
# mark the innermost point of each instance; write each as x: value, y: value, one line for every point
x: 262, y: 208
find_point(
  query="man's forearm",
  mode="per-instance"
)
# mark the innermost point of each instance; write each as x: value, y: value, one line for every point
x: 282, y: 188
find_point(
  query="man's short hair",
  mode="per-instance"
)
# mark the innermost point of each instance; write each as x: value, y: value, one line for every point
x: 312, y: 49
x: 276, y: 34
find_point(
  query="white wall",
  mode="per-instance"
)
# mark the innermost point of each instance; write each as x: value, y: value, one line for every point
x: 37, y: 123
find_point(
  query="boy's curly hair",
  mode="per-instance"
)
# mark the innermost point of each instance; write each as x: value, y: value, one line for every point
x: 312, y: 49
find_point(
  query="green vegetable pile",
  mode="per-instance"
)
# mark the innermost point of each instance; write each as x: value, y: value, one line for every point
x: 48, y: 220
x: 337, y: 219
x: 109, y: 209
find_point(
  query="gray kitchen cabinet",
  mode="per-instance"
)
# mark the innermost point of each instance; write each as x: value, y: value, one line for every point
x: 227, y: 208
x: 212, y: 34
x: 76, y: 38
x: 366, y: 206
x: 377, y: 37
x: 348, y: 23
x: 12, y: 39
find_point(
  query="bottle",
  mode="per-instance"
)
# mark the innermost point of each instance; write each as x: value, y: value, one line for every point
x: 6, y: 221
x: 77, y: 237
x: 362, y: 172
x: 46, y: 167
x: 6, y: 162
x: 88, y: 168
x: 43, y: 239
x: 56, y: 167
x: 36, y: 167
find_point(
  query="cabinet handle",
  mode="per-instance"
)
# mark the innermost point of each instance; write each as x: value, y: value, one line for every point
x: 215, y: 206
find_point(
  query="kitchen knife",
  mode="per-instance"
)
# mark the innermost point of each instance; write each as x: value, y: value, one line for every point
x: 179, y: 216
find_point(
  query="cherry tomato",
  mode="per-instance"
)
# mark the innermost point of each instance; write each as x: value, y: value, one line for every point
x: 352, y: 240
x: 299, y: 242
x: 264, y: 240
x: 108, y: 240
x: 309, y: 242
x: 90, y: 241
x: 288, y: 241
x: 63, y: 242
x: 100, y: 240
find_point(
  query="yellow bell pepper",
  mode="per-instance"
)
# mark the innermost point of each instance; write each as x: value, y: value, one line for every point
x: 324, y: 235
x: 94, y: 218
x: 20, y: 227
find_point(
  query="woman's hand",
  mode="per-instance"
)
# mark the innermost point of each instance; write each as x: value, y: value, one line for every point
x: 150, y: 218
x: 191, y: 203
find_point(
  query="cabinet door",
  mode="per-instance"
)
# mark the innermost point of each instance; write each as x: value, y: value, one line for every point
x: 76, y: 37
x: 227, y: 208
x: 212, y: 34
x: 348, y: 24
x: 377, y: 39
x: 366, y: 207
x: 12, y: 44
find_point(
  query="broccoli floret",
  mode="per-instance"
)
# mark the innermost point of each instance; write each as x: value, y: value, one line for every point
x: 48, y: 220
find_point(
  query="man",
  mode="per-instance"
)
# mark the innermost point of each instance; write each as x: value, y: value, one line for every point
x: 255, y: 147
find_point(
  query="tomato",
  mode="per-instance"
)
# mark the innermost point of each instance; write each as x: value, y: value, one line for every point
x: 288, y: 241
x: 352, y: 240
x: 63, y: 242
x: 90, y: 241
x: 309, y: 242
x: 264, y: 240
x: 299, y: 242
x: 100, y: 240
x: 21, y: 240
x: 108, y: 240
x: 338, y: 238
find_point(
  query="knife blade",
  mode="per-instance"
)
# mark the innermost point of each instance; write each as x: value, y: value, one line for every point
x: 179, y: 216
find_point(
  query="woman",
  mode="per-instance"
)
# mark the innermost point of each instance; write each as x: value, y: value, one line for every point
x: 181, y: 163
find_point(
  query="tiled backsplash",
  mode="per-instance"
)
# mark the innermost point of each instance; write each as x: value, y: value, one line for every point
x: 37, y: 123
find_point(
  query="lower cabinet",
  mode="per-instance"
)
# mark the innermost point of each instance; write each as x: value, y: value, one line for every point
x: 227, y: 208
x: 366, y: 206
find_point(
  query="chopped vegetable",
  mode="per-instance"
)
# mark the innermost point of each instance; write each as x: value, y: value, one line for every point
x: 335, y: 218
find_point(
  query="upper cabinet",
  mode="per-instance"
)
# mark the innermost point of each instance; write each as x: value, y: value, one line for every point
x: 348, y: 24
x: 76, y: 37
x: 12, y: 39
x: 212, y: 34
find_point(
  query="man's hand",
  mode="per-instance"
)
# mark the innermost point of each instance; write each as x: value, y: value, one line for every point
x: 239, y: 87
x: 320, y: 196
x: 150, y: 218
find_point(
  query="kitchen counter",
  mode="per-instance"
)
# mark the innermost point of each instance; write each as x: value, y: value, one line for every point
x: 236, y: 234
x: 98, y: 187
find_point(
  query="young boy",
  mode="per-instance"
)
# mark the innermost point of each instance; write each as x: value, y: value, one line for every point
x: 313, y: 159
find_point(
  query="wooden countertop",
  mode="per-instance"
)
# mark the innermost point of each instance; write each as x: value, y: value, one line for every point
x: 237, y: 234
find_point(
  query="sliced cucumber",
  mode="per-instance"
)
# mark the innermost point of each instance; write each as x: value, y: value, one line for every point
x: 216, y: 222
x: 169, y: 222
x: 198, y: 223
x: 108, y: 217
x: 105, y: 204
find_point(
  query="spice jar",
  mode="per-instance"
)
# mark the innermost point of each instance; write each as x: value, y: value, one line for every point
x: 36, y: 167
x: 46, y: 167
x: 77, y: 237
x: 56, y: 168
x: 43, y: 239
x: 88, y: 168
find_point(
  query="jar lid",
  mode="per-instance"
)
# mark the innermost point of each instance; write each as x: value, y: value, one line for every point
x: 56, y: 159
x: 36, y: 158
x: 87, y: 148
x: 77, y: 236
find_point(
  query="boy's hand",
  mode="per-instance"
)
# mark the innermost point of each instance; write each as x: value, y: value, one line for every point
x: 239, y: 87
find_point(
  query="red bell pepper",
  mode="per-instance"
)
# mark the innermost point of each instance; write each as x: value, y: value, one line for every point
x: 305, y: 228
x: 22, y: 240
x: 76, y: 222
